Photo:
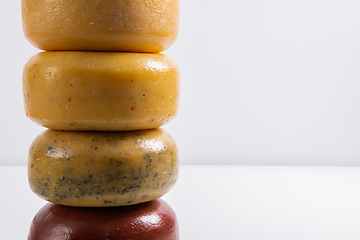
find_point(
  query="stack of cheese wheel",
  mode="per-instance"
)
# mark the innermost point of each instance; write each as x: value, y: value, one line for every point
x: 103, y: 90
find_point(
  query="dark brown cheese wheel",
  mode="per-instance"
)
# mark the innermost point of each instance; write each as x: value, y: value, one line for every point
x: 100, y: 169
x: 147, y: 221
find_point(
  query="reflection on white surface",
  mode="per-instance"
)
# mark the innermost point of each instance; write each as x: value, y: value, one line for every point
x: 231, y: 202
x: 267, y: 203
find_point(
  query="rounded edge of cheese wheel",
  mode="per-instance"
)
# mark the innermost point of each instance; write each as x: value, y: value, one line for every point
x: 101, y: 91
x: 96, y: 169
x: 151, y: 220
x: 114, y: 25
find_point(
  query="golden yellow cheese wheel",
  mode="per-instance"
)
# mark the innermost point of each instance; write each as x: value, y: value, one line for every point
x: 93, y: 169
x: 101, y: 91
x: 111, y: 25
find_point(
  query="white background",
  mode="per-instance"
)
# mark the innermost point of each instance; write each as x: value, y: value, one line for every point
x: 263, y: 82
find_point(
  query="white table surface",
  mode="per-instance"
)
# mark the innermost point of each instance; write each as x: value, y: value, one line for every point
x: 230, y: 202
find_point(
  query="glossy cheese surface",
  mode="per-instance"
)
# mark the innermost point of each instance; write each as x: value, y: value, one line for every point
x: 98, y: 91
x: 109, y: 25
x: 94, y: 169
x: 153, y: 220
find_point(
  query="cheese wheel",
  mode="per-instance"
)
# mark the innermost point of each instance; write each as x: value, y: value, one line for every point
x: 151, y: 220
x: 94, y: 169
x: 111, y: 25
x: 101, y: 91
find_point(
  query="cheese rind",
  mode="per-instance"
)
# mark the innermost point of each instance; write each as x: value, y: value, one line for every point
x: 150, y: 220
x: 112, y: 25
x: 98, y: 91
x: 93, y: 169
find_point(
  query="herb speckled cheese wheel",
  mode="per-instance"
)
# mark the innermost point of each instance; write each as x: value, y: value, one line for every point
x: 111, y: 25
x: 101, y: 91
x: 94, y: 169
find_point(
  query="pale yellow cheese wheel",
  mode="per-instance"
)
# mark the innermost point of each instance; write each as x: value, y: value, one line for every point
x: 101, y: 91
x: 93, y: 169
x: 107, y: 25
